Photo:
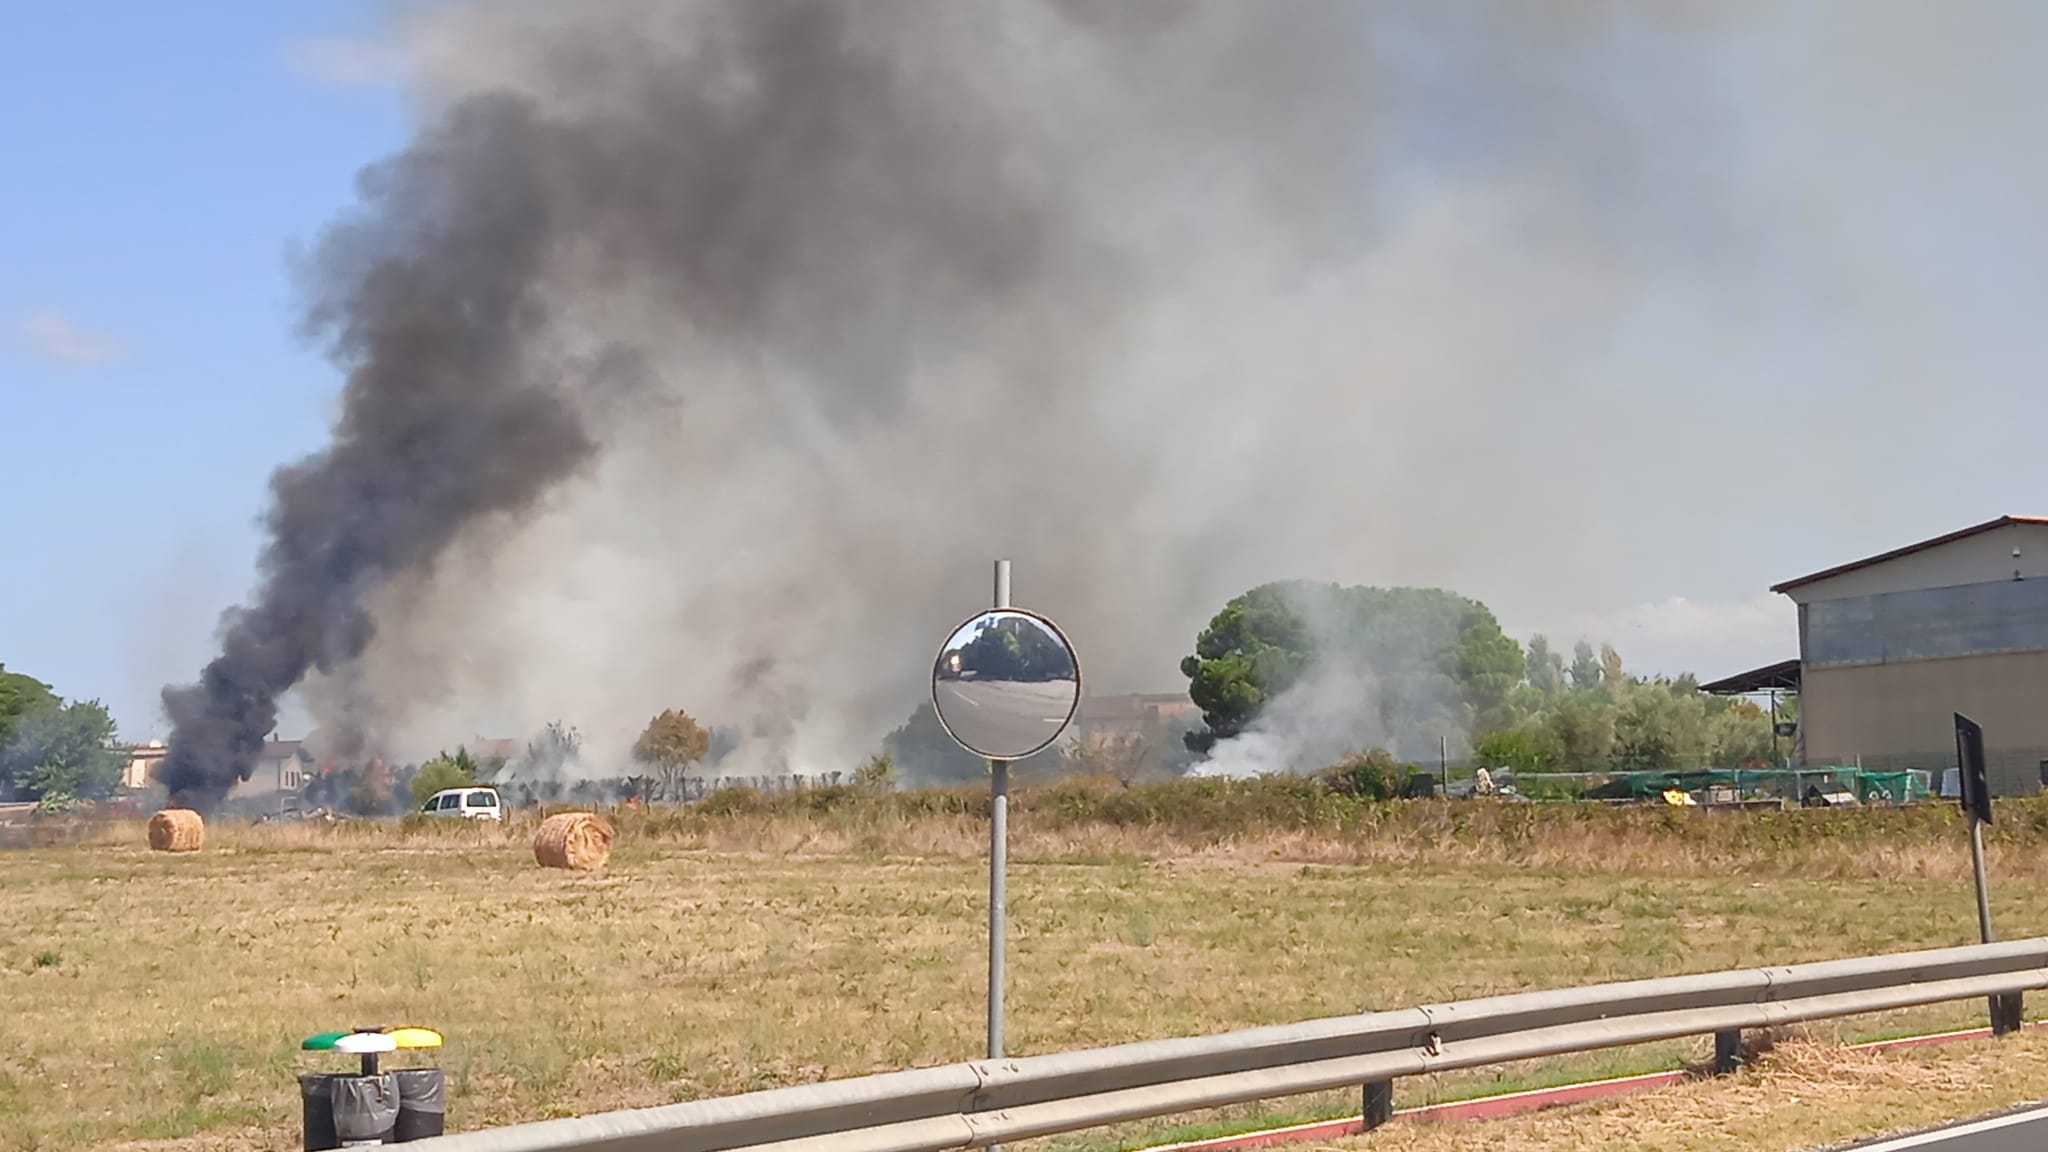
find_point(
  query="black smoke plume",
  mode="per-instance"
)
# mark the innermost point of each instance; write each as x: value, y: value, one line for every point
x: 798, y: 145
x: 424, y: 300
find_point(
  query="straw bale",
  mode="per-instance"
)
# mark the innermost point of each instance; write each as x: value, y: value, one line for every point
x: 177, y: 830
x: 578, y: 840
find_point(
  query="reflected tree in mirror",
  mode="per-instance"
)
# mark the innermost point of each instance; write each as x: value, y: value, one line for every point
x: 1005, y: 684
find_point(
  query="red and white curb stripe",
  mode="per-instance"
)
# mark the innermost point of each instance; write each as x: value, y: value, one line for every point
x: 1516, y: 1103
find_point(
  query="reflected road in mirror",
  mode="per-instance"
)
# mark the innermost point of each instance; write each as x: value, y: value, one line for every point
x: 1006, y: 684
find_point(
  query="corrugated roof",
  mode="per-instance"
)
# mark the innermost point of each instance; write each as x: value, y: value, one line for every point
x: 1783, y: 676
x: 1908, y: 550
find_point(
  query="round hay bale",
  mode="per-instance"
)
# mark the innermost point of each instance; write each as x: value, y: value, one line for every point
x: 578, y: 840
x: 177, y: 830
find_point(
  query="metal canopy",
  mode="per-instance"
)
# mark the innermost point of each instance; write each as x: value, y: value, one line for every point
x: 1780, y: 677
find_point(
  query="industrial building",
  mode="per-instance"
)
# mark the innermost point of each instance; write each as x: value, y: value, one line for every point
x: 1892, y: 646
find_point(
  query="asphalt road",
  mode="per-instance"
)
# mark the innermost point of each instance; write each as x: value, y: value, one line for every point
x: 2021, y: 1131
x: 1006, y: 717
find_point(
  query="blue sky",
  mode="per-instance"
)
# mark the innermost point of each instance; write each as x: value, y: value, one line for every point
x: 163, y: 162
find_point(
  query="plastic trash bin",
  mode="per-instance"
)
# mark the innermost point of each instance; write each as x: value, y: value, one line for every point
x: 422, y: 1103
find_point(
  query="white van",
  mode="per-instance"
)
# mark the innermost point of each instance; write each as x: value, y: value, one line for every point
x: 467, y: 803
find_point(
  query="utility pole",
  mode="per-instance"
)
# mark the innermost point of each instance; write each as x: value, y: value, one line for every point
x: 1777, y: 761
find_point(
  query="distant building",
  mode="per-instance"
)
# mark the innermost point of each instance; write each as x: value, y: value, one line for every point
x: 1892, y: 646
x: 141, y: 767
x: 1134, y: 714
x: 282, y: 767
x: 484, y: 749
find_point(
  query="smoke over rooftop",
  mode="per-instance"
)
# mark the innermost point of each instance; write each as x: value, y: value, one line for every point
x: 702, y: 354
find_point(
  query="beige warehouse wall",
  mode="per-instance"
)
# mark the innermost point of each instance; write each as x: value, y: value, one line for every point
x: 1882, y: 712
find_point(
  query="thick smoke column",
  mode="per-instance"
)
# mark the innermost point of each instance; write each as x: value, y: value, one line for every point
x: 425, y: 300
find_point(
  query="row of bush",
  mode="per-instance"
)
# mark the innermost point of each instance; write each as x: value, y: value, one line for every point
x: 1355, y: 796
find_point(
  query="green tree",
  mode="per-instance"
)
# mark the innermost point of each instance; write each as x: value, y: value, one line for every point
x: 1788, y: 708
x: 671, y: 743
x: 1585, y: 670
x: 922, y: 751
x: 1612, y: 676
x: 1254, y: 649
x: 20, y: 695
x: 1544, y: 668
x: 1438, y: 662
x: 1659, y: 727
x: 441, y: 773
x: 1012, y: 648
x: 1531, y: 746
x: 1583, y: 724
x: 1490, y: 665
x: 1738, y: 733
x: 61, y: 752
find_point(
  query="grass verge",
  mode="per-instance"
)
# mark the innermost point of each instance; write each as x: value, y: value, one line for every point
x: 159, y: 998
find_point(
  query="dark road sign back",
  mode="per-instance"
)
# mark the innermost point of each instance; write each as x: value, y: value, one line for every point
x: 1970, y: 759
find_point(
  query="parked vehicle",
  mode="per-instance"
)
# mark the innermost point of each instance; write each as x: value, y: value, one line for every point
x: 465, y: 803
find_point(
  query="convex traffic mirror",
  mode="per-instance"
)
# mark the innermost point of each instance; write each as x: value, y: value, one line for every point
x: 1006, y: 684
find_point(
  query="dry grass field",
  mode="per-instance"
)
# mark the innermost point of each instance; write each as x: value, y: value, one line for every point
x: 155, y: 1001
x: 1803, y: 1096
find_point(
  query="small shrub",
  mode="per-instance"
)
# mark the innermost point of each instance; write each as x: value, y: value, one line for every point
x: 1373, y: 775
x: 877, y: 774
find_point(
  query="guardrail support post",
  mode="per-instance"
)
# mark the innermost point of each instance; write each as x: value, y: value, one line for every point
x: 1727, y: 1051
x: 1379, y: 1103
x: 2007, y: 1014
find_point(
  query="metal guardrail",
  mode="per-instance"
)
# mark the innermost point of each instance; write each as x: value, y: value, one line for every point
x: 994, y: 1101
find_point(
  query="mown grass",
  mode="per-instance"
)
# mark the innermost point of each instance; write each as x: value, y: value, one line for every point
x: 762, y: 941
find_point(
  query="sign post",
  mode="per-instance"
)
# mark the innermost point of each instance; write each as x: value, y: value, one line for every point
x: 1005, y: 685
x: 2007, y: 1008
x: 998, y: 863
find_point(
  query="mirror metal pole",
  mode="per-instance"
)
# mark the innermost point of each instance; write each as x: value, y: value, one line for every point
x: 998, y: 865
x: 1983, y: 884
